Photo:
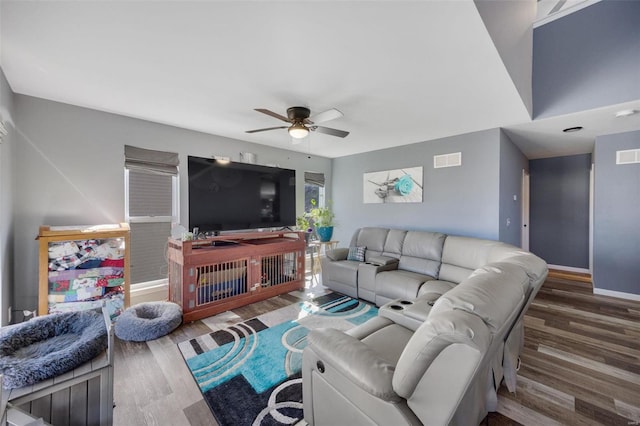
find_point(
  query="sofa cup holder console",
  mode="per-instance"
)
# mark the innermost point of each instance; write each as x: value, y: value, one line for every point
x: 400, y: 305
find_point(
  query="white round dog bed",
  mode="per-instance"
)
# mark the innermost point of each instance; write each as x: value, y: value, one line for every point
x: 50, y: 345
x: 148, y: 321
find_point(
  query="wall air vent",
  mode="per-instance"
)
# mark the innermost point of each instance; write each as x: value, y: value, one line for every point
x: 447, y: 160
x: 629, y: 156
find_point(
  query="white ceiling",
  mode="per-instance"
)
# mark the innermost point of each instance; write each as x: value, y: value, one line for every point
x: 401, y: 72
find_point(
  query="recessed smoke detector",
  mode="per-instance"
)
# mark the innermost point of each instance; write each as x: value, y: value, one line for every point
x: 572, y: 129
x: 626, y: 112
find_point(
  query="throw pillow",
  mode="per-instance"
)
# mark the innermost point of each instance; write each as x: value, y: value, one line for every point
x: 356, y: 253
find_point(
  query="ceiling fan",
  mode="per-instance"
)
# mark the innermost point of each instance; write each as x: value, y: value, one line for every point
x: 301, y: 123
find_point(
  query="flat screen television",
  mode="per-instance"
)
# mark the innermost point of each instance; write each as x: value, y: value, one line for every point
x: 225, y: 196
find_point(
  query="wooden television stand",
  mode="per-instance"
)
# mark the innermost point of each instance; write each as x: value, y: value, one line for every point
x: 213, y: 275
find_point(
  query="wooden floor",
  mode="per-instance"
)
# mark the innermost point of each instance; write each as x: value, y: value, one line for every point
x: 580, y: 364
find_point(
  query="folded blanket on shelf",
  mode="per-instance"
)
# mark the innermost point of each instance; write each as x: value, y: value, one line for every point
x: 109, y: 250
x: 83, y: 293
x: 114, y: 304
x: 72, y: 274
x: 116, y: 263
x: 85, y: 254
x: 66, y: 248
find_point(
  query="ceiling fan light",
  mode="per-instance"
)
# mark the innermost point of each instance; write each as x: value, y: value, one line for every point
x: 298, y: 131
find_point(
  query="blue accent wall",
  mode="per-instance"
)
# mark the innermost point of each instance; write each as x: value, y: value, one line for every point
x: 588, y: 59
x: 616, y: 240
x: 559, y: 210
x: 458, y: 200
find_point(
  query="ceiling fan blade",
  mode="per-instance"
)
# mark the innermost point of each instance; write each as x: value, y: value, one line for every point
x: 265, y: 129
x: 330, y: 131
x: 330, y: 114
x: 273, y: 114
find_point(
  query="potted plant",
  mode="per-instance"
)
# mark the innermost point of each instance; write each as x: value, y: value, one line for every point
x: 303, y: 224
x: 322, y: 218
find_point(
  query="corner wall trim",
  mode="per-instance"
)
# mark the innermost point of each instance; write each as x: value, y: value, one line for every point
x: 158, y: 290
x: 569, y: 269
x: 618, y: 294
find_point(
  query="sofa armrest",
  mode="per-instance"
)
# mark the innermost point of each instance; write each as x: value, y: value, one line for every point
x: 337, y: 254
x: 384, y: 261
x: 354, y: 360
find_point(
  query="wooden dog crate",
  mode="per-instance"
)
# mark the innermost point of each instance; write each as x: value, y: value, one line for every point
x: 213, y: 275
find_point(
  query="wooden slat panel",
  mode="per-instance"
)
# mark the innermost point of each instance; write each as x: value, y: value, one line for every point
x: 93, y: 401
x: 60, y: 407
x: 41, y: 407
x: 78, y: 404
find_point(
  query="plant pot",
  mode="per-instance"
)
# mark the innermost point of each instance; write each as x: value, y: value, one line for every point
x: 324, y: 233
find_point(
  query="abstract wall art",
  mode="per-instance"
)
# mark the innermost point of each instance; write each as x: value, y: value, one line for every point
x: 393, y: 186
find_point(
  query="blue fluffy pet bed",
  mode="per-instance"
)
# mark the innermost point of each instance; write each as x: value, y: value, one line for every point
x: 148, y: 321
x: 50, y: 345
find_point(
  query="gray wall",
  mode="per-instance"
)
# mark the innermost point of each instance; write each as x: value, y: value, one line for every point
x: 509, y: 25
x: 512, y: 163
x: 616, y: 239
x: 457, y: 200
x: 559, y: 210
x: 71, y: 171
x: 6, y: 200
x: 587, y: 60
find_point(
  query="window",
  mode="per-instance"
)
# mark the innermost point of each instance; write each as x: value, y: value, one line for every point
x: 151, y: 207
x: 313, y: 189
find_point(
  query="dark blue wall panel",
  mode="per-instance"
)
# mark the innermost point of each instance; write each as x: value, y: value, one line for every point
x: 588, y: 59
x: 559, y: 210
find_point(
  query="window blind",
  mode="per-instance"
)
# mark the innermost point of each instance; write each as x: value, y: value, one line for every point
x: 151, y: 161
x: 148, y: 251
x: 151, y: 195
x: 313, y: 178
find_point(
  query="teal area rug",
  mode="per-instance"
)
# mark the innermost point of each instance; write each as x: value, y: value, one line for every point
x: 249, y: 373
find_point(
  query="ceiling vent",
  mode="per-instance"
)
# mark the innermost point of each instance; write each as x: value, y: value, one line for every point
x: 629, y: 156
x: 447, y: 160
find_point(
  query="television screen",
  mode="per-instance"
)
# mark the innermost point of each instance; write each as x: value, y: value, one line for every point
x: 226, y: 196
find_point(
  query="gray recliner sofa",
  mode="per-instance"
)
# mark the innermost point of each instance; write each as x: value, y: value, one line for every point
x: 449, y: 330
x: 398, y: 262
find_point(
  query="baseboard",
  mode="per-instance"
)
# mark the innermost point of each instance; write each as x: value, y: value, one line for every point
x: 618, y: 294
x: 150, y: 293
x: 569, y: 269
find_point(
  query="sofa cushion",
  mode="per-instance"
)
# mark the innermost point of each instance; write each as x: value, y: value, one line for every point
x: 383, y: 335
x: 493, y: 293
x: 345, y: 271
x: 462, y: 255
x: 337, y: 254
x: 399, y: 284
x: 356, y: 253
x: 371, y: 238
x: 430, y: 340
x: 388, y: 342
x: 421, y: 252
x: 535, y: 267
x: 394, y: 242
x: 435, y: 287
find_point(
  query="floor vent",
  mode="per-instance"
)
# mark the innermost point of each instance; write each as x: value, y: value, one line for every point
x: 447, y: 160
x: 629, y: 156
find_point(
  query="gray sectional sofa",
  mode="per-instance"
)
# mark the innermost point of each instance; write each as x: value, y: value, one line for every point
x: 448, y: 333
